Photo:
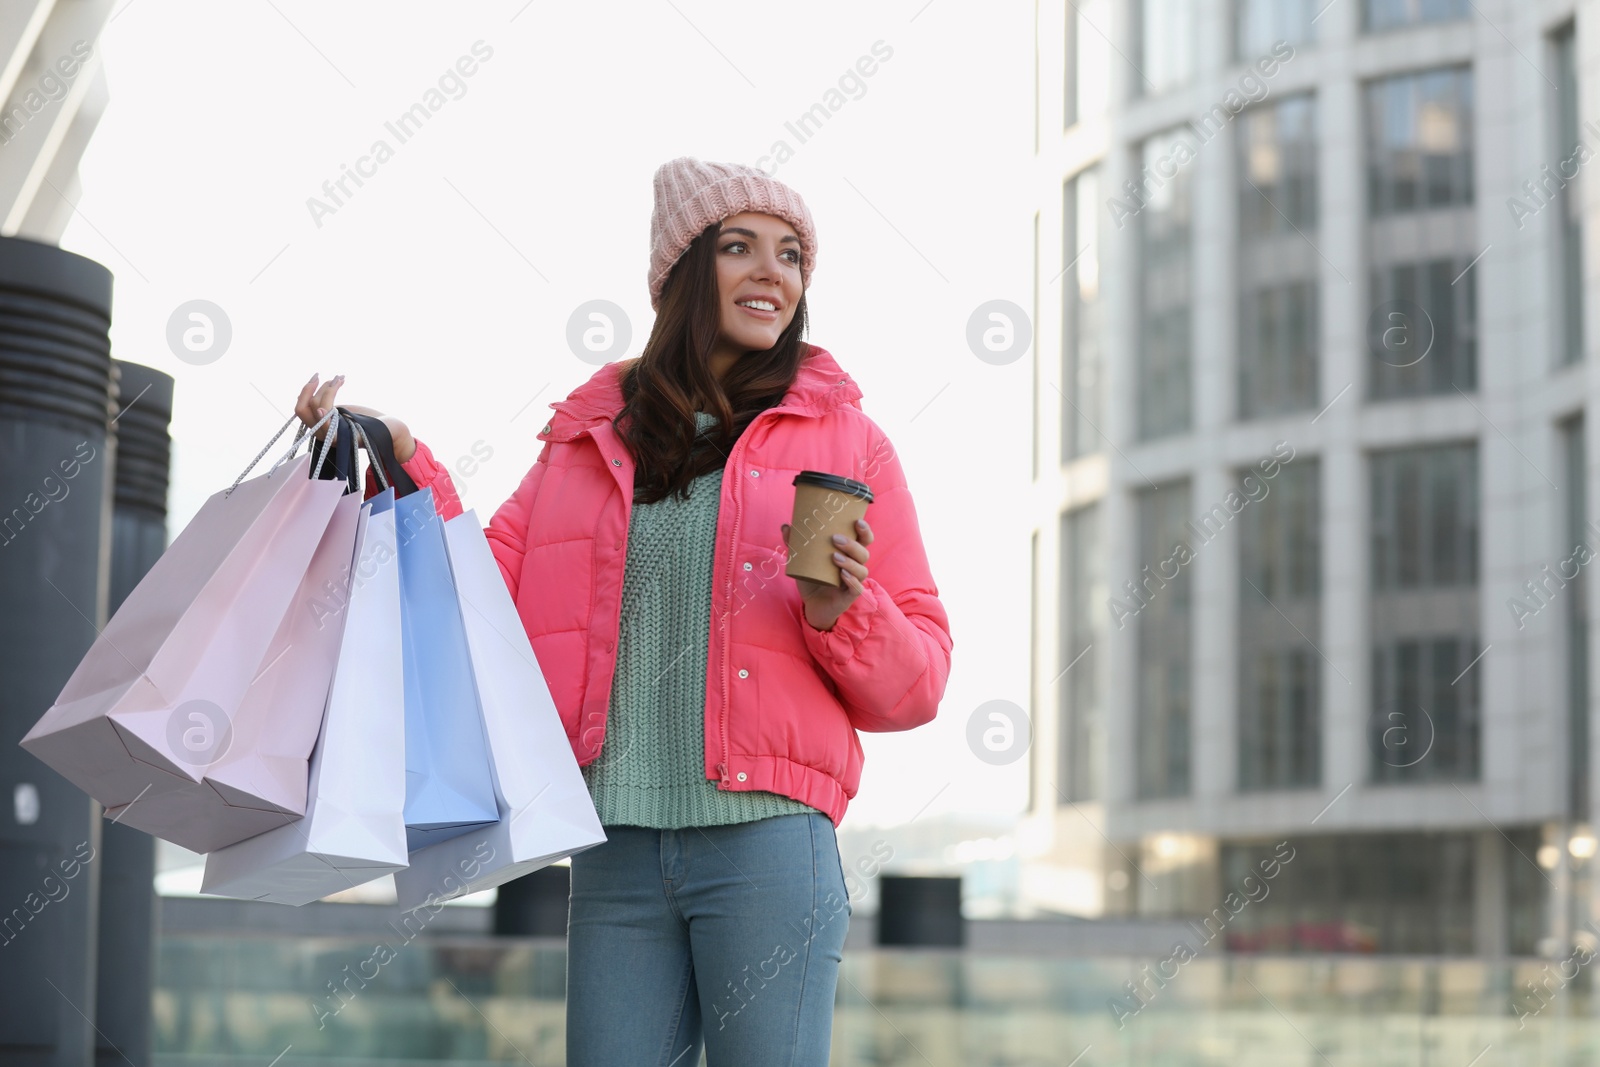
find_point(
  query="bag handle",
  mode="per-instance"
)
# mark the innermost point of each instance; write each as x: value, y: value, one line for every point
x: 332, y: 418
x: 347, y: 449
x: 345, y: 466
x: 380, y: 449
x: 364, y: 429
x: 360, y: 432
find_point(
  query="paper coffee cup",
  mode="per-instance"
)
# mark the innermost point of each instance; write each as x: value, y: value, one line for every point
x: 824, y: 504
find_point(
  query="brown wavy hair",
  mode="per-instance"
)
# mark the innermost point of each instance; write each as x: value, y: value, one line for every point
x: 672, y: 379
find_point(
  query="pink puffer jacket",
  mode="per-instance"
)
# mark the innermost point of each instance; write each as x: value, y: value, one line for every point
x: 783, y: 700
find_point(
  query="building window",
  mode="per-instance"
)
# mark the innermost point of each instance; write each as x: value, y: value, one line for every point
x: 1419, y: 142
x: 1160, y: 599
x: 1408, y: 893
x: 1280, y: 723
x: 1571, y: 209
x: 1083, y: 599
x: 1260, y: 24
x: 1082, y: 414
x: 1421, y: 235
x: 1424, y: 724
x: 1389, y: 14
x: 1278, y: 262
x: 1578, y: 533
x: 1165, y: 267
x: 1088, y: 81
x: 1167, y: 32
x: 1423, y: 334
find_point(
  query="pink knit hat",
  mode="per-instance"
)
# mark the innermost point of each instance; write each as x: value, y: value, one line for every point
x: 692, y: 194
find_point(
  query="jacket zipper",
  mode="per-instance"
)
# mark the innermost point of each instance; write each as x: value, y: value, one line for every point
x: 733, y: 560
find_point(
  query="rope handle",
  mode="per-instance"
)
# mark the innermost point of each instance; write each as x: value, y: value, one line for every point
x: 305, y: 432
x: 331, y: 417
x: 372, y: 455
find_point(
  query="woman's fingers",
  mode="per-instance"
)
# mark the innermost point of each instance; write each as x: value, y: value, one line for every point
x: 851, y: 547
x: 303, y: 406
x: 850, y: 566
x: 313, y: 402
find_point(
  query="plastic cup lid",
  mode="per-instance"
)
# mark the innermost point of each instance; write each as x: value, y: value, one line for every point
x: 836, y: 482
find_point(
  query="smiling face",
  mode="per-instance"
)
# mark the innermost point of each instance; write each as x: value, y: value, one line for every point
x: 758, y: 284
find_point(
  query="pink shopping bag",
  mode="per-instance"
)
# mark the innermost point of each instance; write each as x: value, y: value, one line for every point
x: 148, y: 708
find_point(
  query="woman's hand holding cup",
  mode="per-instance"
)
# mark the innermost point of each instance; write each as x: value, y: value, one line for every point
x: 824, y: 603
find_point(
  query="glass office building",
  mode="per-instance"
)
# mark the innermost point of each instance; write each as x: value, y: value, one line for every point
x: 1312, y: 409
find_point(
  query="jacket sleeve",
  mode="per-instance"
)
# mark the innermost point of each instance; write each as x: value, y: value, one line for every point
x: 507, y: 531
x: 428, y: 473
x: 889, y: 652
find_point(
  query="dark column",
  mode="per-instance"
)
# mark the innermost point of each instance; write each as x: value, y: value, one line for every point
x: 56, y: 463
x: 128, y: 908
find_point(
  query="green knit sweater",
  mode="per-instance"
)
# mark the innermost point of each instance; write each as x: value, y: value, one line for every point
x: 651, y: 767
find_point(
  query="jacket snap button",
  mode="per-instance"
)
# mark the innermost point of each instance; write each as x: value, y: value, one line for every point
x: 755, y: 474
x: 744, y: 674
x: 741, y: 776
x: 616, y: 463
x: 546, y: 428
x: 747, y: 565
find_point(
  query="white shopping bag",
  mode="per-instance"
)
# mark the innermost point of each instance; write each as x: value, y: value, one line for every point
x: 354, y: 826
x: 545, y: 810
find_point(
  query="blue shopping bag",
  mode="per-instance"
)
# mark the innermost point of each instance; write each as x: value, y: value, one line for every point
x: 449, y: 784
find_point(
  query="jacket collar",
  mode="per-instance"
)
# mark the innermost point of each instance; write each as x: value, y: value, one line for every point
x: 820, y: 385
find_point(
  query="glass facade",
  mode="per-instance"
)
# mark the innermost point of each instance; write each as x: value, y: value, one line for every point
x: 1424, y: 723
x: 1421, y: 235
x: 1167, y: 32
x: 1278, y: 261
x: 1280, y: 668
x: 1567, y: 141
x: 1161, y: 598
x: 1088, y: 81
x: 1166, y: 233
x: 1390, y: 14
x: 1083, y: 322
x: 1259, y: 24
x: 1084, y: 596
x: 1409, y: 893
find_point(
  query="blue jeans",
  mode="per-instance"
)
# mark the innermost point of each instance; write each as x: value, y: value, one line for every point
x: 727, y: 935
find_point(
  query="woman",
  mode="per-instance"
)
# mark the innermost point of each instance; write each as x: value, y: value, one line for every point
x: 712, y: 701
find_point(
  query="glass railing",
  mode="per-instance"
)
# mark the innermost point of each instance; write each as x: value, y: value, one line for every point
x: 472, y: 1001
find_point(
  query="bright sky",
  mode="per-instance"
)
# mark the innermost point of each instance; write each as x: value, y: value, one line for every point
x: 442, y: 287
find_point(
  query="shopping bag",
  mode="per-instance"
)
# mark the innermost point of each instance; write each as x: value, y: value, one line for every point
x: 544, y: 809
x: 258, y: 769
x: 154, y: 699
x: 448, y: 788
x: 353, y: 830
